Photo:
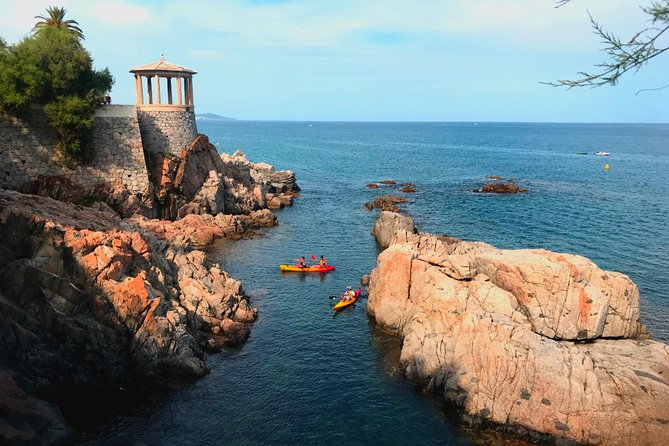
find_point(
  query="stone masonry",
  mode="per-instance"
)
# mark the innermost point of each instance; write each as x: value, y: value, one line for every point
x: 28, y: 152
x: 167, y: 131
x: 119, y: 150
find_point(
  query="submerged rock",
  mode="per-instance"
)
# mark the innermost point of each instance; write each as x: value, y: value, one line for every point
x: 501, y: 188
x: 541, y: 341
x: 388, y: 202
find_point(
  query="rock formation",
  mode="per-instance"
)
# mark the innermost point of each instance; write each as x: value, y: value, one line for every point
x: 501, y: 188
x: 201, y: 181
x: 533, y: 340
x: 93, y: 290
x: 388, y: 202
x: 26, y: 420
x: 89, y: 298
x: 115, y: 194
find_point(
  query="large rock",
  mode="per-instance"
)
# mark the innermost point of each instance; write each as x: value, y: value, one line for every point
x: 112, y: 193
x: 28, y: 421
x: 388, y: 224
x: 259, y: 181
x: 89, y: 298
x: 500, y: 334
x: 202, y: 181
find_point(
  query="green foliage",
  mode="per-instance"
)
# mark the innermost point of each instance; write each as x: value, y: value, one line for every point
x: 628, y: 54
x: 72, y: 116
x: 56, y: 18
x: 52, y: 69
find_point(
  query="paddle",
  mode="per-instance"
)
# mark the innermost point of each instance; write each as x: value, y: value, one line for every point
x: 360, y: 296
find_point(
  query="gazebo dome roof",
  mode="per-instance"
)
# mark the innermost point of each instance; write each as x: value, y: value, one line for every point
x: 162, y: 67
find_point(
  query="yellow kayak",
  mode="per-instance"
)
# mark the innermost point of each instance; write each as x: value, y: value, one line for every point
x: 307, y: 269
x: 345, y: 303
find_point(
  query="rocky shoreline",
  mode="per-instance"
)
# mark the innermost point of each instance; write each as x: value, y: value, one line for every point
x: 543, y: 344
x: 91, y: 299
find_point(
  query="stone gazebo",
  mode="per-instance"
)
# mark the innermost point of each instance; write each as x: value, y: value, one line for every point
x: 166, y: 125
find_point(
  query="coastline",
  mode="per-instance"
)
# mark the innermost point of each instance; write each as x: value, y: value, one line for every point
x: 95, y: 300
x: 298, y: 243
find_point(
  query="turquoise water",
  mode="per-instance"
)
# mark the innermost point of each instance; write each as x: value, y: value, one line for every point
x: 308, y: 377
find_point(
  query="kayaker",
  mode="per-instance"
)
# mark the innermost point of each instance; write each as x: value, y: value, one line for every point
x: 302, y: 263
x: 348, y: 294
x: 322, y: 262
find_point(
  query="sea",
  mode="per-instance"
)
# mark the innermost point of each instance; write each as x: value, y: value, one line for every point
x: 308, y: 375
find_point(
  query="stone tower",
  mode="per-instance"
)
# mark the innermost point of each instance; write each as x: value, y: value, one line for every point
x: 166, y: 126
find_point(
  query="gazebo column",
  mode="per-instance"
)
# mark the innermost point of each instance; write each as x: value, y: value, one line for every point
x: 190, y: 90
x: 161, y: 96
x: 178, y: 90
x: 169, y: 91
x: 149, y: 89
x: 138, y: 89
x: 158, y: 90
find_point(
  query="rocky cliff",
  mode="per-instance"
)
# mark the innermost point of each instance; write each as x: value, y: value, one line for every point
x: 89, y: 298
x: 532, y: 340
x: 202, y: 181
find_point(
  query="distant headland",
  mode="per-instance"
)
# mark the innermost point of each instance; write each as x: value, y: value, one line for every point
x: 212, y: 117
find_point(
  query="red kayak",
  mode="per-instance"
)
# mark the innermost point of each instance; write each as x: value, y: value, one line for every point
x: 307, y: 269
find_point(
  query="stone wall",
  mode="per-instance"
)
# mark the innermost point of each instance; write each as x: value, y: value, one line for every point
x: 119, y: 154
x: 26, y: 149
x: 27, y: 154
x: 167, y: 131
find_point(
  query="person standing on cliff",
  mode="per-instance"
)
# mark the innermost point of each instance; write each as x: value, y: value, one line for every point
x: 107, y: 99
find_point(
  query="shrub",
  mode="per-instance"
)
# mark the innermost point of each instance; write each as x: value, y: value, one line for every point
x: 54, y: 70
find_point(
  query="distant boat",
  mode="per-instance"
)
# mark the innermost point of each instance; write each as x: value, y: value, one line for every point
x: 581, y: 153
x: 600, y: 153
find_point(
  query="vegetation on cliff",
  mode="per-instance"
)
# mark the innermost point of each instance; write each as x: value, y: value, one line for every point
x: 51, y: 69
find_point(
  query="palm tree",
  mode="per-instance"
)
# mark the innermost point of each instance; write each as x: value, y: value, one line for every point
x: 56, y: 16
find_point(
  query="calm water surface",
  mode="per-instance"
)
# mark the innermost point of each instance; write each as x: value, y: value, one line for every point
x: 307, y: 376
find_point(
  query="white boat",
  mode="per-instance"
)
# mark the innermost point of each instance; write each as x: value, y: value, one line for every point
x: 600, y: 153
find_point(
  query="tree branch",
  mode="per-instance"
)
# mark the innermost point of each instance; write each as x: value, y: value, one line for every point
x: 623, y: 57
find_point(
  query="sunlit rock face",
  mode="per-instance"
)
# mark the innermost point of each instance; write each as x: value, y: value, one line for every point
x: 92, y: 298
x: 530, y: 339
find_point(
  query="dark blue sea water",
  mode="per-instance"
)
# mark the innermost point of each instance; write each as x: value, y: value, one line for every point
x: 307, y: 376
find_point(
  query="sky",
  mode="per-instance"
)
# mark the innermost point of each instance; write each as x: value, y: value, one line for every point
x: 370, y: 60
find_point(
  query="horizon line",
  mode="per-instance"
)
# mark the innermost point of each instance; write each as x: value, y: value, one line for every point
x: 228, y: 119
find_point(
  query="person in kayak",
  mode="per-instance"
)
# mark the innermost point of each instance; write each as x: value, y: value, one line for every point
x: 302, y: 263
x: 348, y: 294
x: 322, y: 262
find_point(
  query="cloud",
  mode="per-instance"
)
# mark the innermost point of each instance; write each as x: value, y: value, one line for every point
x: 119, y: 14
x: 18, y: 17
x: 304, y: 23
